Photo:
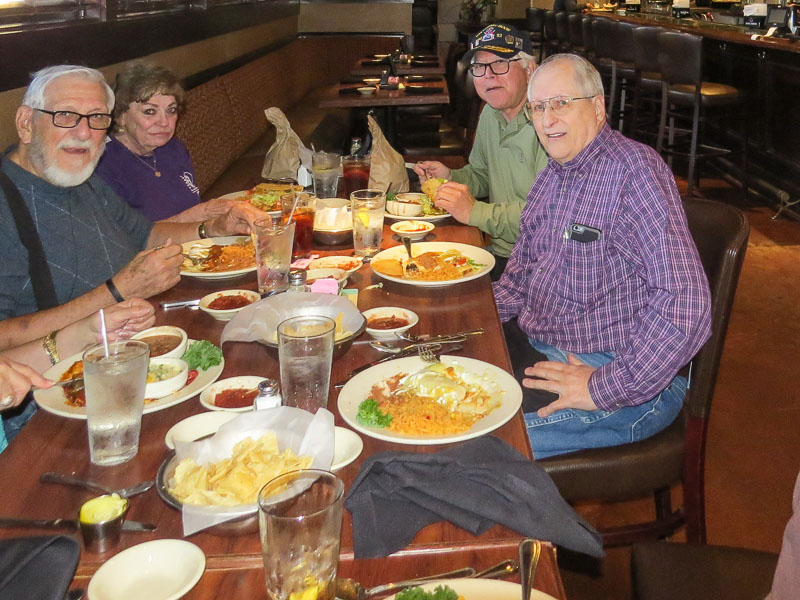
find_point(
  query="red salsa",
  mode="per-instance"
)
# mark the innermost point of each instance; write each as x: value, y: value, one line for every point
x: 229, y: 302
x: 237, y: 398
x: 390, y: 322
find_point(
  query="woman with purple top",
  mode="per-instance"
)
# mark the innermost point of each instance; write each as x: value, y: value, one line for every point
x: 150, y: 169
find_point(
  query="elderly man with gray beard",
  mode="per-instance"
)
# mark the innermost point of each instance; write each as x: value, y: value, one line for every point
x: 68, y: 244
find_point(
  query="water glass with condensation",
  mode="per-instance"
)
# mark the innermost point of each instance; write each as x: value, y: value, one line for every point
x: 272, y: 240
x: 367, y: 207
x: 326, y: 168
x: 300, y: 522
x: 115, y: 399
x: 305, y: 354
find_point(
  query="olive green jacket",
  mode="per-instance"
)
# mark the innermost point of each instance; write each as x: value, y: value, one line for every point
x: 503, y: 164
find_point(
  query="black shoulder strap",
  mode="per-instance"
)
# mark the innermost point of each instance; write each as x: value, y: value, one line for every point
x: 42, y: 280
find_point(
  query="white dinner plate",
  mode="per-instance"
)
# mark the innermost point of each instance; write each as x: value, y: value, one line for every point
x: 226, y: 240
x: 358, y: 389
x: 479, y: 255
x: 430, y: 218
x: 242, y: 194
x: 241, y: 382
x: 157, y: 570
x: 484, y: 589
x: 347, y: 446
x: 53, y: 399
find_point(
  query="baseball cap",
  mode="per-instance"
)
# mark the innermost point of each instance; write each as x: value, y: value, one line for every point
x: 504, y: 41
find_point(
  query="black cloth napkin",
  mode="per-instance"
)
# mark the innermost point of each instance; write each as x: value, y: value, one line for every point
x: 345, y: 91
x: 37, y: 568
x: 474, y: 485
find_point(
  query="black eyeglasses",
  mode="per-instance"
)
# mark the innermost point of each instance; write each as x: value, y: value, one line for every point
x: 67, y: 119
x: 498, y: 67
x: 560, y: 105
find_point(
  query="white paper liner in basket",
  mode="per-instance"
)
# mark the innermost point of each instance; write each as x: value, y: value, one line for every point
x: 259, y: 322
x: 305, y: 434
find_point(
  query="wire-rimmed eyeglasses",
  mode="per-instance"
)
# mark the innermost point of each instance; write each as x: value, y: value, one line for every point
x: 66, y: 119
x: 560, y: 105
x: 497, y: 67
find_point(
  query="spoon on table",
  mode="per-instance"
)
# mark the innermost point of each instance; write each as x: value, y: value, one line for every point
x: 50, y: 477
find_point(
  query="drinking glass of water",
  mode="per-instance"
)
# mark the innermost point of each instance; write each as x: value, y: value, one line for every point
x: 305, y: 353
x: 272, y: 241
x: 367, y: 207
x: 115, y: 399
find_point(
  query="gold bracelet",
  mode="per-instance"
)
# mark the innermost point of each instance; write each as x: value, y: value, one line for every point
x: 49, y: 346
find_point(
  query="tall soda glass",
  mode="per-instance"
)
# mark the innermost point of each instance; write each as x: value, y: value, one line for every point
x: 355, y: 173
x: 305, y: 205
x: 115, y: 399
x: 326, y: 168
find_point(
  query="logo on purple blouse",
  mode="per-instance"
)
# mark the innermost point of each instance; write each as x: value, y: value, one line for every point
x: 189, y: 181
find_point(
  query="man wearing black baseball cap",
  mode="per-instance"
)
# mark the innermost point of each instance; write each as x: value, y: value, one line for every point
x: 506, y: 155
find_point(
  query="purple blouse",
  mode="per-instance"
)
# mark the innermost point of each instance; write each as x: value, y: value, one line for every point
x: 134, y: 178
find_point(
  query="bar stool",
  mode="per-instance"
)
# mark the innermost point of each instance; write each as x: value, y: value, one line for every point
x: 551, y: 33
x: 535, y: 24
x: 588, y: 38
x: 603, y: 32
x: 680, y: 59
x: 562, y: 30
x: 648, y: 83
x: 575, y: 27
x: 623, y: 73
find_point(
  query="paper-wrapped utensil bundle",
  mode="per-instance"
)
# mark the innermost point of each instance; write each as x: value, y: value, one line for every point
x: 475, y: 485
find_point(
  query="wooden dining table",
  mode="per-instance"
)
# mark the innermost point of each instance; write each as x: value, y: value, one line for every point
x: 233, y: 561
x: 367, y: 66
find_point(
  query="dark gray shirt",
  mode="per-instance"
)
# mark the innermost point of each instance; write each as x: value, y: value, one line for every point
x: 88, y: 234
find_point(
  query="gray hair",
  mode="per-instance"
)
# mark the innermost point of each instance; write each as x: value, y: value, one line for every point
x: 586, y: 76
x: 526, y: 60
x: 35, y: 94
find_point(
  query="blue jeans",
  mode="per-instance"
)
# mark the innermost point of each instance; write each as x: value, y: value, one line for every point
x: 571, y: 429
x: 14, y: 420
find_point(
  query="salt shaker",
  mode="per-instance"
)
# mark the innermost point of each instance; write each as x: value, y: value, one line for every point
x: 269, y: 394
x: 297, y: 281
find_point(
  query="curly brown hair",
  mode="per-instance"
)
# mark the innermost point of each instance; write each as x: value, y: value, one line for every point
x: 140, y: 81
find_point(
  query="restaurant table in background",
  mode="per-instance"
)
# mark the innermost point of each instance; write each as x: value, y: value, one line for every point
x: 233, y: 568
x: 386, y: 99
x: 365, y: 67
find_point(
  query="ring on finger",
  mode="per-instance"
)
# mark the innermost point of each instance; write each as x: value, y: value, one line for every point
x: 7, y: 401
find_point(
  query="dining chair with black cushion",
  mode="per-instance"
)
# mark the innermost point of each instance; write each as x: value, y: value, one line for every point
x: 534, y: 18
x: 603, y: 32
x: 562, y: 30
x: 552, y: 43
x: 575, y: 28
x: 676, y: 454
x: 686, y: 97
x: 588, y: 37
x: 647, y: 93
x: 665, y: 571
x: 623, y: 75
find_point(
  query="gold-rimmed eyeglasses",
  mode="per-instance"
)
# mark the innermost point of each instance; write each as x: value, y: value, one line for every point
x: 66, y: 119
x: 560, y: 105
x: 498, y: 67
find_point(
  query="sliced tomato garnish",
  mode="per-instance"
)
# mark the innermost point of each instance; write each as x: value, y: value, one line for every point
x: 192, y: 376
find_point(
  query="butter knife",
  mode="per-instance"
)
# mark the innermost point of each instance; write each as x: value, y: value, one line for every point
x: 12, y: 522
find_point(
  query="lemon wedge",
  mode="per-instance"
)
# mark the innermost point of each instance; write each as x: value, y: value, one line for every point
x: 363, y: 218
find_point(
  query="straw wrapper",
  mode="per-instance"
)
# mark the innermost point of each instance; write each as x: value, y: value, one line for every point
x: 305, y: 434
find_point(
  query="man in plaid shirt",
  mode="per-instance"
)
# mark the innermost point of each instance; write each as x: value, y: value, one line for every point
x: 604, y: 279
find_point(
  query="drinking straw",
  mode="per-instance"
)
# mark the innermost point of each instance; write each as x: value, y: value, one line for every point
x: 294, y: 205
x: 104, y: 332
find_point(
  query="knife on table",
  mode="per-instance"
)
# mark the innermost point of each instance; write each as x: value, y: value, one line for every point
x: 12, y: 522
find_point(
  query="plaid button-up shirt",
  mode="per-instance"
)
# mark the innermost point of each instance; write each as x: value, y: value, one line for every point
x: 638, y: 290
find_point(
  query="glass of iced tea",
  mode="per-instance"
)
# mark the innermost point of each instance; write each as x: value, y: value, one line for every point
x: 355, y: 173
x: 304, y: 204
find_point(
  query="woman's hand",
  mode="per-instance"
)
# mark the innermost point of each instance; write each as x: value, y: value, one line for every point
x: 15, y: 381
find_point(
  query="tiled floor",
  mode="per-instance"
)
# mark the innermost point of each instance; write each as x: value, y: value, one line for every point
x: 753, y: 454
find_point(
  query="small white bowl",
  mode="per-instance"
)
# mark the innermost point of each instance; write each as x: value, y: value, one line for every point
x: 197, y: 426
x: 159, y: 389
x: 247, y: 382
x: 166, y: 330
x: 157, y: 570
x: 387, y: 311
x: 347, y: 446
x: 366, y: 90
x: 337, y: 274
x: 226, y: 315
x: 414, y: 230
x: 406, y: 204
x: 351, y: 264
x: 372, y: 80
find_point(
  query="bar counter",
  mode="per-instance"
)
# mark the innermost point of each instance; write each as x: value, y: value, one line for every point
x: 767, y: 71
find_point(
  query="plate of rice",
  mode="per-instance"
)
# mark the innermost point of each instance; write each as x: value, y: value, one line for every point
x: 410, y: 401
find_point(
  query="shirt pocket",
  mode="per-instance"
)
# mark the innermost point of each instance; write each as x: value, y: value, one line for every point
x: 583, y: 269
